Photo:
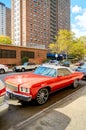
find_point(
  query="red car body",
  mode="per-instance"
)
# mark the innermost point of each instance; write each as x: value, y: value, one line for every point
x: 3, y: 104
x: 27, y: 86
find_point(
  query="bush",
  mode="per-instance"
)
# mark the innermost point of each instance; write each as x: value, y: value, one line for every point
x: 25, y: 59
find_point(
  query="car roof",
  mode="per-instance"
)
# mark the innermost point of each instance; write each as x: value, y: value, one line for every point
x: 54, y: 66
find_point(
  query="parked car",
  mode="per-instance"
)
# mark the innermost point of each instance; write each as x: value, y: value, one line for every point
x: 3, y: 104
x: 82, y: 68
x: 56, y: 62
x: 25, y: 66
x: 39, y: 84
x: 79, y: 63
x: 3, y: 68
x: 66, y: 63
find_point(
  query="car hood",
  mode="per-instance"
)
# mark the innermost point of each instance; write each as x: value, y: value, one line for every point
x: 29, y: 78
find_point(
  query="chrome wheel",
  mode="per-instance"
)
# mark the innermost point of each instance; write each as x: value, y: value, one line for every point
x: 76, y: 83
x: 42, y: 96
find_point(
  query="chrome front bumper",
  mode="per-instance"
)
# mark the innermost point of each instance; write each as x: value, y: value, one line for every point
x: 11, y: 94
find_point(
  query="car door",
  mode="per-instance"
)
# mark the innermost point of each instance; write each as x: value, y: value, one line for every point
x: 31, y: 65
x: 63, y: 79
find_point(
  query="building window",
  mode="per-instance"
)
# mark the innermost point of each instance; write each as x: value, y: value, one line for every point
x: 28, y: 54
x: 7, y: 53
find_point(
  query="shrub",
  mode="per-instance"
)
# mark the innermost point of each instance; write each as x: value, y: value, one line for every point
x: 25, y: 59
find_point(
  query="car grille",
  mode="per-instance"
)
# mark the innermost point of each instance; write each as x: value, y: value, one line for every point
x: 11, y: 87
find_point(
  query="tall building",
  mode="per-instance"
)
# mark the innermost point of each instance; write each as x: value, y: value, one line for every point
x: 59, y: 17
x: 8, y: 22
x: 2, y: 19
x: 63, y: 21
x: 36, y: 22
x: 30, y: 23
x: 5, y: 20
x: 53, y: 20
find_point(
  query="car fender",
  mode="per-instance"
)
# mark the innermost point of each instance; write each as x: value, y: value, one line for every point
x: 35, y: 89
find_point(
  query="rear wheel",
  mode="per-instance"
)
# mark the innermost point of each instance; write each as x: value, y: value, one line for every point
x: 76, y: 83
x: 2, y: 71
x: 42, y: 96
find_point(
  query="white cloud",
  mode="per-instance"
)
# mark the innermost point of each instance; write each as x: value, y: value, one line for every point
x: 81, y: 20
x: 78, y: 31
x: 76, y: 9
x: 79, y: 24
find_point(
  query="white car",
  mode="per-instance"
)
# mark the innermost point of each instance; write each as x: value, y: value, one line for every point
x: 3, y: 68
x: 3, y: 103
x: 25, y: 66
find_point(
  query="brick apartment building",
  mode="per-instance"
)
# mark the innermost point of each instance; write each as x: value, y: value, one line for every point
x: 63, y: 17
x: 8, y: 22
x: 30, y: 23
x: 36, y: 22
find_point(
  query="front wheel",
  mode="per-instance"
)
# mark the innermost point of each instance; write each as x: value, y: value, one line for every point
x: 76, y: 83
x: 42, y: 96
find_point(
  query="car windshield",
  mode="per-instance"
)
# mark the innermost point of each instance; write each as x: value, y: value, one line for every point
x: 26, y: 63
x: 45, y: 71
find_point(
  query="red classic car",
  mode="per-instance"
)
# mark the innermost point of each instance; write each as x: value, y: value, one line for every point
x: 40, y: 83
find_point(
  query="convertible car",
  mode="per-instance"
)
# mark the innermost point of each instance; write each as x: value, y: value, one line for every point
x: 39, y: 84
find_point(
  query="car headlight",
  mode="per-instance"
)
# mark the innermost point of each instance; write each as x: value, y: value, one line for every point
x: 24, y: 89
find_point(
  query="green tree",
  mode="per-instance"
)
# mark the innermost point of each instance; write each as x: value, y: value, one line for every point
x: 63, y: 42
x: 67, y: 43
x: 83, y: 40
x: 5, y: 40
x: 78, y: 49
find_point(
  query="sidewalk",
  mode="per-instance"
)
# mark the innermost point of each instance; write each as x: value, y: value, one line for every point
x: 67, y: 114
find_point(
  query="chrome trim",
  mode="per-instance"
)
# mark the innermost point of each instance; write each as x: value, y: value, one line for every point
x: 10, y: 86
x: 19, y: 96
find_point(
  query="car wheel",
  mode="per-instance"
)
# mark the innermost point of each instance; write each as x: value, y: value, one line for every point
x: 75, y: 83
x: 2, y: 71
x: 42, y: 96
x: 22, y: 69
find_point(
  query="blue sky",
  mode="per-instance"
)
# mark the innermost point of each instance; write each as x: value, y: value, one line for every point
x: 78, y: 16
x: 6, y: 2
